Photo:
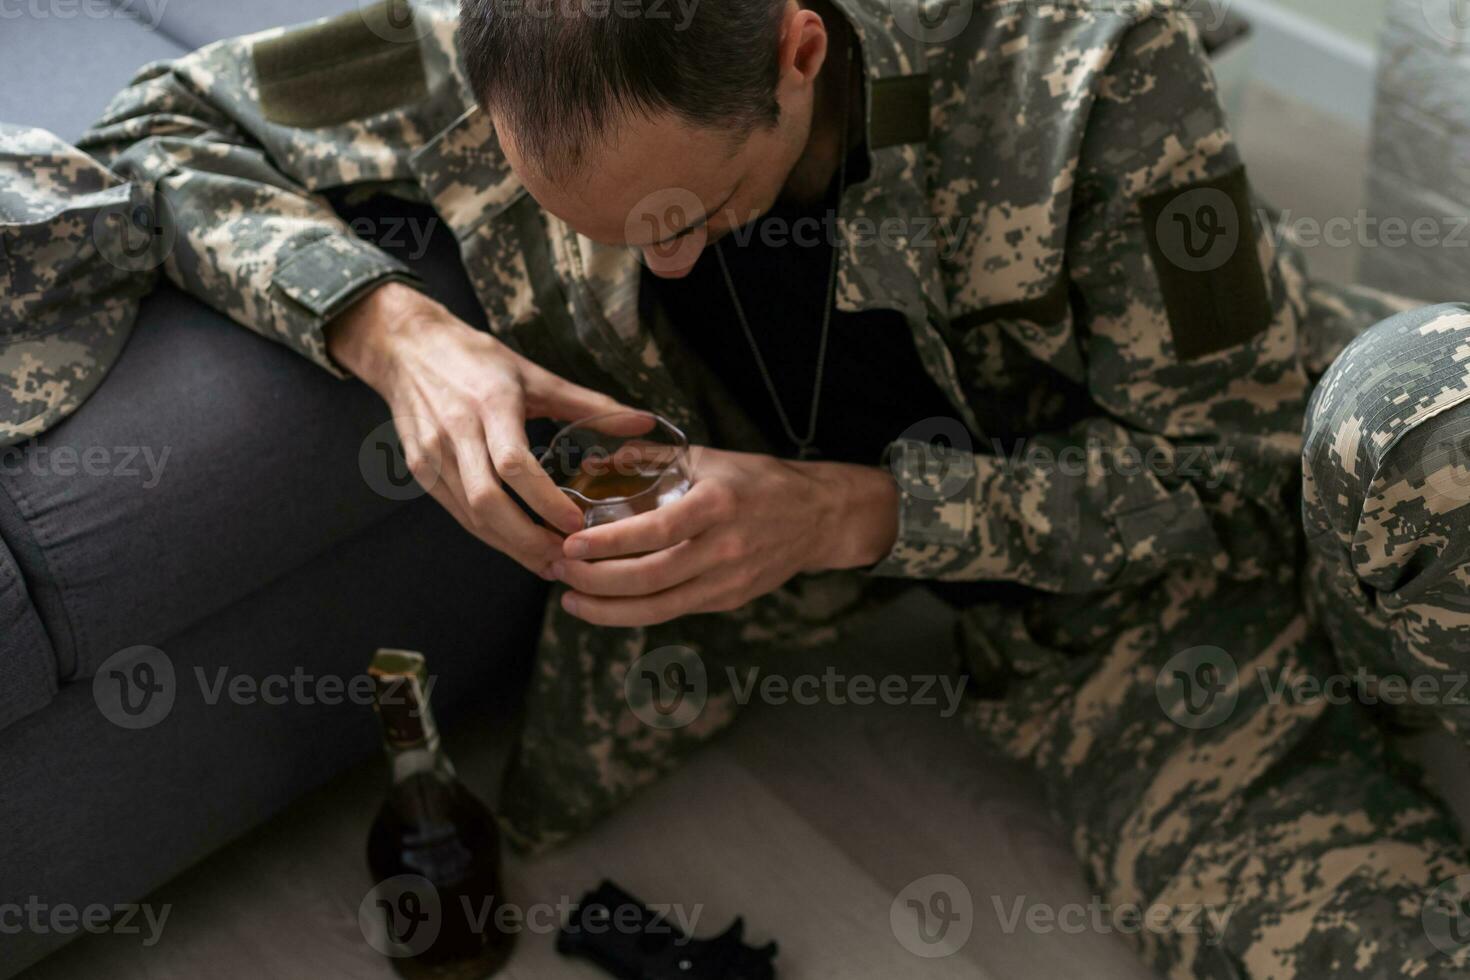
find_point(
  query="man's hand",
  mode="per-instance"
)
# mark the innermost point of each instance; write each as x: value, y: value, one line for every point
x: 749, y: 524
x: 460, y: 400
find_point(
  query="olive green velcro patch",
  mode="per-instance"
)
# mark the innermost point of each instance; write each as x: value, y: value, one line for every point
x: 350, y: 67
x: 1202, y: 238
x: 899, y: 111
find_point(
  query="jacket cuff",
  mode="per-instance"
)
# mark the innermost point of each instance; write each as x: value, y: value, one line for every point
x: 937, y: 521
x: 320, y: 281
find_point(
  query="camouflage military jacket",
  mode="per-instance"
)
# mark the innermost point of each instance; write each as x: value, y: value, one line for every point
x: 1065, y: 226
x: 71, y: 278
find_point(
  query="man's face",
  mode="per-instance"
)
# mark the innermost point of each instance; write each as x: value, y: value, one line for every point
x: 670, y: 188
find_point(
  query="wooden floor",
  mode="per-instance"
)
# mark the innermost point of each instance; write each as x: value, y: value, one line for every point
x: 809, y: 821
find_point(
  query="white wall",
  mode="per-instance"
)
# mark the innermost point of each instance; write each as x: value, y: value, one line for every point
x: 1323, y: 52
x: 1357, y: 19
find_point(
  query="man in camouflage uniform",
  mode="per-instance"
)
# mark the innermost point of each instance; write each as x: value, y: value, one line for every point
x: 1112, y: 300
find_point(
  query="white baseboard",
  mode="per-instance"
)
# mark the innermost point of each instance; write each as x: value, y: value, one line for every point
x: 1312, y: 63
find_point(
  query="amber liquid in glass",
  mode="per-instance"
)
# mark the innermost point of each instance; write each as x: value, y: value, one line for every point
x: 608, y: 486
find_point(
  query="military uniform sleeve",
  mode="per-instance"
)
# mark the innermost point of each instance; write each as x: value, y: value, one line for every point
x: 1189, y: 338
x: 237, y: 143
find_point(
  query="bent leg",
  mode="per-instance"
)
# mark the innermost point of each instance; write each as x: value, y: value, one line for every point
x: 1272, y: 830
x: 610, y: 710
x: 1387, y: 510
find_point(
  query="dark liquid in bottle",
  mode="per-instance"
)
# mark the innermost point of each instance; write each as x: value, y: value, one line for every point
x: 436, y: 828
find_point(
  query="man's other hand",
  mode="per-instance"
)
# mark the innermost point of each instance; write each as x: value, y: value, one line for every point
x: 460, y: 400
x: 748, y: 525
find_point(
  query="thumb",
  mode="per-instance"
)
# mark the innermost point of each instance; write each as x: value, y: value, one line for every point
x: 549, y: 396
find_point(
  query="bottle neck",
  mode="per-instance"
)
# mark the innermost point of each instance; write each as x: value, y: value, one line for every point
x: 406, y: 761
x: 410, y: 737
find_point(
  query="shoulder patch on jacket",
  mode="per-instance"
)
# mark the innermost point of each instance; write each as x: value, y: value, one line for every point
x: 350, y: 67
x: 1202, y: 239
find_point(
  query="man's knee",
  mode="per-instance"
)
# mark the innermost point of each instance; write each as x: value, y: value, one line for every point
x: 1387, y: 446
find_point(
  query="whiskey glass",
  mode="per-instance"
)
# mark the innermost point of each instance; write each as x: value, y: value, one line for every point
x: 619, y: 465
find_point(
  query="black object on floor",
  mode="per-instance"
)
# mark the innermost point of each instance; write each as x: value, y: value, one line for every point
x: 633, y: 942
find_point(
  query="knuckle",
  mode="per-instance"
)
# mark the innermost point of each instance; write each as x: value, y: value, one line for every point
x: 509, y: 466
x: 508, y: 458
x: 435, y: 444
x: 661, y: 528
x: 722, y: 502
x: 420, y: 463
x: 459, y: 419
x: 481, y: 500
x: 507, y: 382
x: 730, y: 549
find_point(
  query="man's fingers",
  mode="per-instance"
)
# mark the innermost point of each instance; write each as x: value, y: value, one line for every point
x: 624, y: 422
x: 492, y: 517
x: 642, y: 576
x: 692, y: 596
x: 553, y: 397
x: 653, y: 531
x: 501, y: 523
x: 510, y: 456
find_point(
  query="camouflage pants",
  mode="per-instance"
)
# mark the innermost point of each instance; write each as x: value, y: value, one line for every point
x: 1213, y: 743
x: 611, y: 710
x: 1179, y: 737
x: 1201, y: 741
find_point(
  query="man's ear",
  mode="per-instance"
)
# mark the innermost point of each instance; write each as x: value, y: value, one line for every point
x: 803, y: 46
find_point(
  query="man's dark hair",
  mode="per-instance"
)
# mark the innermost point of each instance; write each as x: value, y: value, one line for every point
x: 560, y: 73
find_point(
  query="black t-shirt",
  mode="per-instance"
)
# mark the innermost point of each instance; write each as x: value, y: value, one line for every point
x: 875, y: 386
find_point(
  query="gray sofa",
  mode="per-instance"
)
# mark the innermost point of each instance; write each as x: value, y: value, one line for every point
x: 258, y: 547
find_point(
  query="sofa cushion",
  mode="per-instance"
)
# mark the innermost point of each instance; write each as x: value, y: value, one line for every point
x: 209, y: 464
x: 91, y: 812
x: 195, y: 23
x: 60, y: 64
x: 27, y: 663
